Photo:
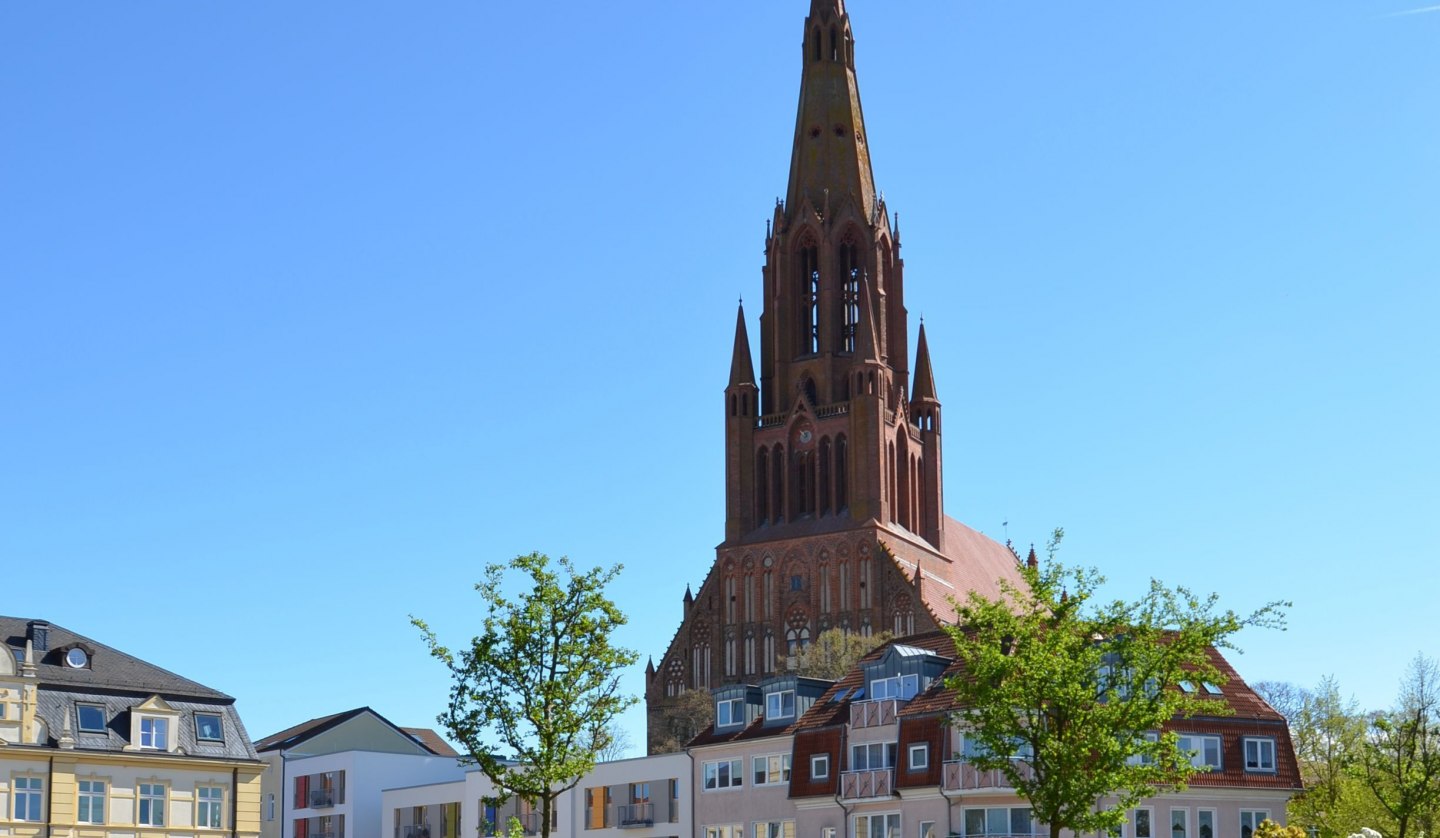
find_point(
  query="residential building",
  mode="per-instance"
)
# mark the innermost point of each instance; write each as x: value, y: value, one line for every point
x: 876, y: 755
x: 96, y: 743
x: 834, y: 513
x: 323, y: 777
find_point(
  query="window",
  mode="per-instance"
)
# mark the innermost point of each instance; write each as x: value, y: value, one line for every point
x: 873, y: 757
x: 208, y: 727
x: 1205, y: 823
x: 770, y: 770
x: 1259, y: 754
x: 150, y: 800
x: 1142, y: 823
x: 1179, y: 823
x: 1250, y: 821
x: 919, y: 757
x: 780, y: 705
x: 90, y: 801
x: 1144, y: 759
x: 270, y: 807
x: 155, y: 733
x: 1186, y: 687
x: 1019, y: 749
x: 730, y: 711
x: 207, y: 806
x: 90, y: 718
x: 797, y: 583
x: 820, y: 767
x: 878, y: 826
x: 724, y: 774
x: 999, y: 820
x: 726, y: 831
x: 27, y: 792
x: 1204, y: 750
x: 903, y: 687
x: 927, y: 829
x: 1210, y: 688
x: 774, y: 829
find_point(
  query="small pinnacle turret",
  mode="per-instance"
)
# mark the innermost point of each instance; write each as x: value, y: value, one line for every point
x: 742, y: 371
x: 924, y: 390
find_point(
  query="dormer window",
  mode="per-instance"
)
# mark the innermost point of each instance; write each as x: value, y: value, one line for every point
x: 155, y: 733
x: 77, y: 658
x: 902, y: 687
x: 90, y: 718
x: 729, y: 712
x: 780, y: 705
x: 208, y: 728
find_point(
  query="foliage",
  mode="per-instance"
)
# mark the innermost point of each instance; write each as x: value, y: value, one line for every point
x: 1327, y: 732
x: 835, y: 652
x: 1271, y: 829
x: 542, y: 678
x: 1400, y: 759
x: 682, y: 718
x: 1061, y: 689
x: 1286, y: 698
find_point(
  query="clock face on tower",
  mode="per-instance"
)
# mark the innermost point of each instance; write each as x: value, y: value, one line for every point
x: 802, y: 436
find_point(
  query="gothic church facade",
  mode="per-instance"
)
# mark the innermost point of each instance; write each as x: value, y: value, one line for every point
x: 834, y: 500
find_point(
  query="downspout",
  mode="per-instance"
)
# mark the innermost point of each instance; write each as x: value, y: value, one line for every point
x: 845, y: 821
x: 690, y: 783
x: 235, y: 802
x: 949, y: 806
x: 49, y: 792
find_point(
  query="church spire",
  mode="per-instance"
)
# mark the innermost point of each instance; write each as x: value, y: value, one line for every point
x: 924, y: 390
x: 741, y: 369
x: 830, y: 161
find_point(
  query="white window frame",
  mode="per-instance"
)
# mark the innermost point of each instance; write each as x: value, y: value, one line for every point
x: 820, y: 767
x: 155, y: 733
x: 735, y: 768
x: 922, y: 751
x: 1200, y: 826
x: 1258, y: 816
x: 884, y: 818
x: 761, y: 776
x: 985, y: 815
x: 736, y: 707
x: 773, y: 829
x: 775, y: 704
x: 1149, y: 821
x: 1184, y: 822
x: 154, y: 814
x: 889, y: 755
x: 32, y: 791
x: 726, y: 830
x: 927, y: 830
x: 211, y: 805
x: 899, y: 687
x: 1189, y: 741
x: 1261, y: 744
x: 89, y: 795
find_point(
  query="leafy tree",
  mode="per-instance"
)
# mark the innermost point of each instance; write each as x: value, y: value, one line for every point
x: 542, y: 678
x: 1400, y: 761
x: 1271, y: 829
x: 835, y: 652
x: 1286, y: 698
x: 1328, y: 732
x: 1061, y: 691
x: 683, y: 718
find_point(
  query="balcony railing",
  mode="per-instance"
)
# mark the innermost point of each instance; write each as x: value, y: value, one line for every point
x: 322, y: 798
x: 960, y: 775
x: 635, y: 815
x: 858, y: 785
x: 880, y: 711
x: 414, y: 830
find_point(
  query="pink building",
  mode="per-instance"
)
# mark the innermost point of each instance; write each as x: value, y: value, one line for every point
x: 874, y: 755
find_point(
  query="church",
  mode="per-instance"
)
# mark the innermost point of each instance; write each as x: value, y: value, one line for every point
x: 834, y: 499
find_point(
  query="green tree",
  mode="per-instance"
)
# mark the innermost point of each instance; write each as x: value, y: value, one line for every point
x: 1328, y: 732
x: 1400, y: 760
x: 541, y: 679
x: 1062, y: 692
x: 835, y: 652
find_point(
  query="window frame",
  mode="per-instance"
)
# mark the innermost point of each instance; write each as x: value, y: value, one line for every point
x: 761, y: 777
x: 735, y: 770
x: 1268, y: 743
x: 1264, y: 815
x: 79, y: 717
x: 159, y: 729
x: 923, y: 749
x: 1149, y: 821
x: 86, y: 799
x: 1200, y: 814
x: 142, y: 797
x: 1198, y: 759
x: 1183, y: 823
x: 33, y: 793
x: 215, y: 806
x: 219, y: 727
x: 778, y: 697
x: 734, y: 705
x: 884, y: 818
x: 889, y: 753
x: 819, y: 766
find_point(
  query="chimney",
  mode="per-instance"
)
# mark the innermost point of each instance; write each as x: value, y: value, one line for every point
x: 38, y: 633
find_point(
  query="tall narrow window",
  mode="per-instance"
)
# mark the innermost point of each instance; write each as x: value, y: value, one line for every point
x: 824, y: 589
x: 90, y: 801
x: 749, y: 597
x: 762, y: 484
x: 825, y: 483
x: 809, y: 297
x: 730, y: 599
x: 777, y: 486
x: 851, y: 271
x: 842, y: 500
x: 865, y: 583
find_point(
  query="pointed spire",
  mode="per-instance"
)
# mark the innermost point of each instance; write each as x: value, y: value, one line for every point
x: 1032, y: 561
x: 924, y: 389
x: 831, y: 150
x: 741, y: 370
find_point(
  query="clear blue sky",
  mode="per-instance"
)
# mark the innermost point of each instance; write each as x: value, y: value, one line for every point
x: 309, y: 310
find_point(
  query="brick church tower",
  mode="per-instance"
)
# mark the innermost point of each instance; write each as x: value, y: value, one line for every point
x: 834, y: 514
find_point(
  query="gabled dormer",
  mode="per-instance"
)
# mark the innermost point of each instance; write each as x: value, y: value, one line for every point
x: 787, y: 697
x: 736, y: 706
x: 154, y: 726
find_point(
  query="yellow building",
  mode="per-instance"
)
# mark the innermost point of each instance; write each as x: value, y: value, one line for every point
x: 95, y: 743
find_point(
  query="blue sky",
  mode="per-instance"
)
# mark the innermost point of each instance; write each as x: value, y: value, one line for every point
x: 312, y: 309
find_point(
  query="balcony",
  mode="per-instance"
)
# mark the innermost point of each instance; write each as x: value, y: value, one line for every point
x: 322, y: 798
x: 960, y: 775
x: 859, y: 785
x: 874, y: 713
x: 635, y: 815
x: 414, y: 830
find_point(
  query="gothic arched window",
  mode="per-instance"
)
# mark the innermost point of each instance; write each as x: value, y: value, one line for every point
x: 809, y: 297
x: 851, y: 270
